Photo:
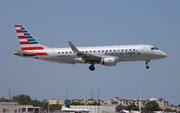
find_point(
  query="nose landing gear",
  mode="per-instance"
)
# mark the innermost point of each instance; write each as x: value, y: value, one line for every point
x: 91, y: 67
x: 147, y: 67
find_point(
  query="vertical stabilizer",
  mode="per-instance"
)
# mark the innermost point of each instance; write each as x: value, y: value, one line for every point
x: 26, y: 40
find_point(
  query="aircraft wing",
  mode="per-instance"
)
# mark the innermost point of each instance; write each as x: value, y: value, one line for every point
x: 85, y: 56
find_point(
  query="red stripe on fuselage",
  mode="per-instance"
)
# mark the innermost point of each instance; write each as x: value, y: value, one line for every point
x: 38, y: 54
x: 32, y: 48
x: 41, y: 54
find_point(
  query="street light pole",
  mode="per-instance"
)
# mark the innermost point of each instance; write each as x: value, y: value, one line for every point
x: 98, y: 101
x: 66, y: 94
x: 48, y: 106
x: 139, y: 101
x: 66, y: 97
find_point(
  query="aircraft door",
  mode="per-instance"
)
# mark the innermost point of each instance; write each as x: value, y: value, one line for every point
x: 52, y: 54
x: 144, y: 50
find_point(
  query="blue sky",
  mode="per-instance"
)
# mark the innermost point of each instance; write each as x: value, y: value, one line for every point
x: 91, y: 23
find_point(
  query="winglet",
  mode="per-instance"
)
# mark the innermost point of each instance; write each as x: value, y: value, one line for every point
x: 73, y: 47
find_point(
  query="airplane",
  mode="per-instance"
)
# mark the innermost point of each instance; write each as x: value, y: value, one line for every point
x: 120, y: 110
x: 104, y: 55
x: 65, y: 109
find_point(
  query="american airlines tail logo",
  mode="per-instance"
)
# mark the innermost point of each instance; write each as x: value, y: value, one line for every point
x: 26, y: 40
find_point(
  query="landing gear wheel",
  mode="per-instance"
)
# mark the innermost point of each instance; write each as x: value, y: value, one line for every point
x: 92, y: 68
x: 147, y: 67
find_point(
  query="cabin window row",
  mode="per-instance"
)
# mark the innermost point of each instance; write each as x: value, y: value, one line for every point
x: 99, y: 51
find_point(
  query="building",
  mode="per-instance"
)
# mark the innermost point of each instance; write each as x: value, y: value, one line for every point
x: 163, y: 104
x: 13, y: 107
x: 58, y: 101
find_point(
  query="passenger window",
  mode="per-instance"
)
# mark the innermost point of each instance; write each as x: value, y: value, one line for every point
x: 114, y: 50
x: 94, y: 51
x: 129, y: 49
x: 62, y: 52
x: 102, y: 50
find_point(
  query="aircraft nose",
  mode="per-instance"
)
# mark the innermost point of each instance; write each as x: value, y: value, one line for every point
x: 163, y: 54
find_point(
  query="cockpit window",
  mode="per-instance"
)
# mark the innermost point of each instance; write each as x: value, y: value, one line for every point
x: 154, y: 48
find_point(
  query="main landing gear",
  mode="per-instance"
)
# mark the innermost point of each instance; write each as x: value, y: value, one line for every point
x: 147, y: 67
x: 91, y: 67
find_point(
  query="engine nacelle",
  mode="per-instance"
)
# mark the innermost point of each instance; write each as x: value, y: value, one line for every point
x: 79, y: 60
x: 108, y: 61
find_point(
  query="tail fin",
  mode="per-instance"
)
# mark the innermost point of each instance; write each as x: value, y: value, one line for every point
x: 119, y: 109
x: 26, y: 40
x: 64, y: 107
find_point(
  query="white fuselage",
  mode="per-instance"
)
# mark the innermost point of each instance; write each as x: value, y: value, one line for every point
x: 105, y: 55
x: 120, y: 53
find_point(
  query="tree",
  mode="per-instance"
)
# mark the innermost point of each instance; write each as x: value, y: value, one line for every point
x: 26, y: 100
x: 132, y: 107
x: 121, y: 106
x: 4, y: 100
x: 167, y: 110
x: 22, y: 99
x: 152, y: 106
x: 55, y: 107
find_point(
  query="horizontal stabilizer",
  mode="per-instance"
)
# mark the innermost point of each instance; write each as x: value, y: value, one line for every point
x: 21, y: 53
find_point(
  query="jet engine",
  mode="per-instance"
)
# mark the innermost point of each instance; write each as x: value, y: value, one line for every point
x: 79, y: 60
x: 108, y: 61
